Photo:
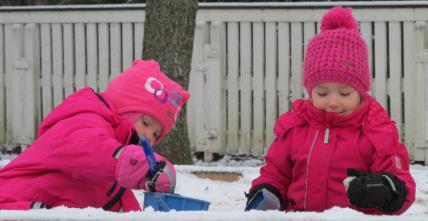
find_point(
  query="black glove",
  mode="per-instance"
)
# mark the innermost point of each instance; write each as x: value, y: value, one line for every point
x: 383, y: 191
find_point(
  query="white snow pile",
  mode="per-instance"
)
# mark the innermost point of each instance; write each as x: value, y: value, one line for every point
x: 227, y: 200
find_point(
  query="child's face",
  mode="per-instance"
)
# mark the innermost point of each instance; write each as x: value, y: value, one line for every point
x: 335, y: 97
x: 149, y: 127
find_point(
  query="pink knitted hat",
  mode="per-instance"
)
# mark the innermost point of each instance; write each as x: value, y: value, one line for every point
x: 143, y: 88
x: 337, y: 54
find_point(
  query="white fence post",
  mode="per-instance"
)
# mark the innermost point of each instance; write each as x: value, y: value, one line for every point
x: 195, y: 106
x: 260, y: 104
x: 409, y: 63
x: 215, y: 96
x: 271, y: 85
x: 421, y: 152
x: 22, y: 82
x: 245, y: 78
x: 46, y: 68
x: 32, y: 83
x: 233, y: 88
x: 206, y: 110
x: 2, y: 87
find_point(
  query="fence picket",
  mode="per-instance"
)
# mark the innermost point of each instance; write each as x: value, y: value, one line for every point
x: 270, y: 80
x: 103, y: 56
x: 17, y: 71
x: 92, y: 59
x: 57, y: 64
x: 296, y: 60
x: 283, y: 66
x: 197, y: 84
x: 420, y: 86
x: 12, y: 51
x: 31, y: 79
x: 425, y: 115
x: 68, y: 59
x: 2, y: 87
x: 409, y: 64
x: 216, y: 118
x: 138, y: 39
x: 195, y: 118
x: 258, y: 106
x: 245, y: 87
x: 19, y: 88
x: 379, y: 88
x: 394, y: 88
x: 80, y: 53
x: 366, y: 33
x: 309, y: 29
x: 115, y: 50
x: 127, y: 45
x: 46, y: 67
x: 233, y: 87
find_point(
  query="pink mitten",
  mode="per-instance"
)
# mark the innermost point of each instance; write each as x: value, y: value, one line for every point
x: 132, y: 168
x: 164, y: 179
x: 132, y: 171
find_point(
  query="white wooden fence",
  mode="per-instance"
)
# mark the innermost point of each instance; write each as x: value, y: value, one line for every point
x: 246, y: 66
x: 46, y: 53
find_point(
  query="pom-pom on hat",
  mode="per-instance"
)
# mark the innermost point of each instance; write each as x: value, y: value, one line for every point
x: 144, y: 89
x: 337, y: 54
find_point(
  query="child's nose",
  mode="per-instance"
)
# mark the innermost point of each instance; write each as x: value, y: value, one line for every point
x: 333, y: 103
x: 152, y: 140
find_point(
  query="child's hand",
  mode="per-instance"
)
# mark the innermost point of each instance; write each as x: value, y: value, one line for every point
x: 163, y: 180
x: 382, y: 191
x: 132, y: 171
x: 132, y: 168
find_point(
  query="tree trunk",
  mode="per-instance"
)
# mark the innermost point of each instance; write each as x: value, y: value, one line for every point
x: 168, y: 39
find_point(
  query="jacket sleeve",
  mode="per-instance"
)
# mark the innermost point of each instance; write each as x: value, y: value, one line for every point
x: 277, y: 169
x: 390, y: 155
x: 82, y: 146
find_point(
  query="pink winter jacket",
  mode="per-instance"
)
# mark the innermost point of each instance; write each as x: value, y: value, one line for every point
x: 308, y: 165
x: 72, y: 162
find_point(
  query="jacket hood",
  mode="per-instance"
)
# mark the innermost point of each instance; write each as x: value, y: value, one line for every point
x: 83, y: 101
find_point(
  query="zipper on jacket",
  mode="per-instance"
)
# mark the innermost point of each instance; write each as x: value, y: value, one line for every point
x: 328, y: 119
x: 326, y: 135
x: 307, y: 168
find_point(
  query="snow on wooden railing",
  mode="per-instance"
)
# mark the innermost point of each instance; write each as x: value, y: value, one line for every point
x: 246, y: 65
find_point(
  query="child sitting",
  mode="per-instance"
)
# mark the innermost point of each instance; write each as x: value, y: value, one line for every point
x: 338, y: 147
x: 87, y: 152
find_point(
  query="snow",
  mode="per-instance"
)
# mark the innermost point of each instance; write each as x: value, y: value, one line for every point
x: 227, y: 200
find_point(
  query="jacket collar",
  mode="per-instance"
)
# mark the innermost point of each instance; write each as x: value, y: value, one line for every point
x: 305, y: 109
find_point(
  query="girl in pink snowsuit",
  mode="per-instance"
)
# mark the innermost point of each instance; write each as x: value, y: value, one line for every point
x: 87, y: 152
x: 338, y: 147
